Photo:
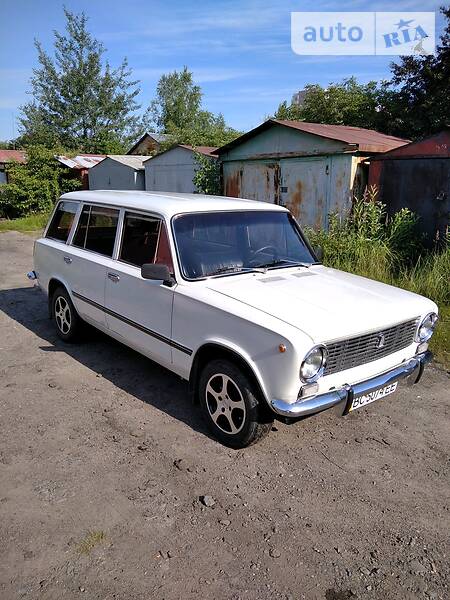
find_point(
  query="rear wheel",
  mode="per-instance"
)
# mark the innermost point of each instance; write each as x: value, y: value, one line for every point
x: 231, y: 406
x: 68, y: 323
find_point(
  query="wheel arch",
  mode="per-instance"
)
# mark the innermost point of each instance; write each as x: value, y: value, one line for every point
x: 215, y: 350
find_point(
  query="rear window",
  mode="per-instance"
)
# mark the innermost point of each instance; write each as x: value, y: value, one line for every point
x: 96, y: 229
x: 62, y: 220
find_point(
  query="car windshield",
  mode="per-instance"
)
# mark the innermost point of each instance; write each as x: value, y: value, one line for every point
x: 219, y: 243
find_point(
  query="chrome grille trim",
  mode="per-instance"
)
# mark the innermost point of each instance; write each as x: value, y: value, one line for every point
x: 362, y: 349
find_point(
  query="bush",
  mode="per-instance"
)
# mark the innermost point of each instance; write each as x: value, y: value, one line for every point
x: 33, y: 187
x: 207, y: 175
x: 368, y: 242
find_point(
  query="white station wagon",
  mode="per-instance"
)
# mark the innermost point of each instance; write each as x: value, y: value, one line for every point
x: 228, y: 294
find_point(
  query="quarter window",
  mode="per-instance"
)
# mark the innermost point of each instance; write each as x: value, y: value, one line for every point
x: 61, y: 223
x: 96, y: 229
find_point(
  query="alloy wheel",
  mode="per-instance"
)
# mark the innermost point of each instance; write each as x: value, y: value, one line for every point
x: 225, y: 403
x: 63, y: 315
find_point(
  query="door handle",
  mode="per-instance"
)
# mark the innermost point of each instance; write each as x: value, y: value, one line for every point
x: 67, y: 260
x: 113, y: 277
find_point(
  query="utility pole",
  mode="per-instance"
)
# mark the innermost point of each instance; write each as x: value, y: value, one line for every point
x: 13, y: 119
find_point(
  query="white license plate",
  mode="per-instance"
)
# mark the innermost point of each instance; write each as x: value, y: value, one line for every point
x: 361, y: 401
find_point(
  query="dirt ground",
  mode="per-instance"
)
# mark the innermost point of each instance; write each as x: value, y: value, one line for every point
x: 103, y: 460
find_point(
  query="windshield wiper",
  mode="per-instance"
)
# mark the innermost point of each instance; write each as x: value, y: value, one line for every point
x: 224, y: 270
x: 287, y: 263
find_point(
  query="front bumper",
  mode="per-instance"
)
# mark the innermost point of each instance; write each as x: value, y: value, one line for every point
x: 411, y: 370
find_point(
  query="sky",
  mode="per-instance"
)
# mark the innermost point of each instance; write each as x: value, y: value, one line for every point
x: 239, y: 51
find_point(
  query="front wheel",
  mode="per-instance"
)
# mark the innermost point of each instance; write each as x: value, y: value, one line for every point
x: 231, y: 406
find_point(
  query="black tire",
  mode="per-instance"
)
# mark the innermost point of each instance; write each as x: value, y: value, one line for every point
x: 231, y: 406
x: 67, y: 322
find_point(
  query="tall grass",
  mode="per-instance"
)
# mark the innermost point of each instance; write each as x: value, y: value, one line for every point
x: 391, y: 250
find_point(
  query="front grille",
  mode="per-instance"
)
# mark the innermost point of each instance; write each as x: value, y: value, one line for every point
x: 363, y: 349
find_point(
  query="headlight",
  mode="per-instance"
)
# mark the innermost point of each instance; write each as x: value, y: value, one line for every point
x: 426, y: 328
x: 313, y: 364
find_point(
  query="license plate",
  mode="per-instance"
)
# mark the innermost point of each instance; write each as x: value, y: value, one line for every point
x: 365, y: 399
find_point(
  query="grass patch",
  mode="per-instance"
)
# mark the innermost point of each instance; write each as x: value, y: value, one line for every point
x: 91, y: 539
x: 25, y: 224
x: 440, y: 342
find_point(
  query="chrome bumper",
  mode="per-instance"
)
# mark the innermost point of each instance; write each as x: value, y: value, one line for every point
x: 411, y: 370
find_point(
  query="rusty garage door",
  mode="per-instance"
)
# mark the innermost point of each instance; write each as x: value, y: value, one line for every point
x: 423, y: 186
x: 254, y: 180
x: 304, y: 190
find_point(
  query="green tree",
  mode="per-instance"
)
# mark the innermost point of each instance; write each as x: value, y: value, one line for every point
x: 177, y: 110
x: 344, y: 103
x: 79, y: 100
x: 177, y: 102
x: 207, y: 178
x: 34, y: 186
x: 416, y: 102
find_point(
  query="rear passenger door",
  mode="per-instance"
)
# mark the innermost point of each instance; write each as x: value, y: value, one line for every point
x: 91, y: 254
x: 140, y: 310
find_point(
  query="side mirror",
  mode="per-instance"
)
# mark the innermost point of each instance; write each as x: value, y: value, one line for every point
x: 157, y: 272
x: 318, y: 251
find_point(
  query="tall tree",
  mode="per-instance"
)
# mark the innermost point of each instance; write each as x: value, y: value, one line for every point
x: 177, y: 102
x: 416, y: 103
x: 79, y: 100
x: 177, y: 110
x: 344, y: 103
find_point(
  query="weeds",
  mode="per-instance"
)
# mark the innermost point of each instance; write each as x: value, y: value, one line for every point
x: 391, y: 250
x: 92, y: 539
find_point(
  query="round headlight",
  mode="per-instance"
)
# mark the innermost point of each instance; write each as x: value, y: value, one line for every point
x: 426, y: 328
x: 313, y: 364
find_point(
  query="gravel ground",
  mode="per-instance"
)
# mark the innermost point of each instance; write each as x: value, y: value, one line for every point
x: 111, y: 488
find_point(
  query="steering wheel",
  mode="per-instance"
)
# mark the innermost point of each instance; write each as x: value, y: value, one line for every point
x: 262, y: 250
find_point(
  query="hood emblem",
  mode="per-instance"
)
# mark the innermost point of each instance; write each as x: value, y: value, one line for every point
x: 381, y: 341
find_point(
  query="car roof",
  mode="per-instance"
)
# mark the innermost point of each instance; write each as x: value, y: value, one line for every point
x: 167, y: 203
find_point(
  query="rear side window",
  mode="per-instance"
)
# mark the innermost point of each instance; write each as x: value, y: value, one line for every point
x: 62, y: 220
x: 96, y: 229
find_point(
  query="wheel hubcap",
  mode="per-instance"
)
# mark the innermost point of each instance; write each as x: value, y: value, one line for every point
x: 63, y: 315
x: 225, y: 403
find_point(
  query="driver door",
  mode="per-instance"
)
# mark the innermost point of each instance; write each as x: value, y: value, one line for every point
x: 140, y: 310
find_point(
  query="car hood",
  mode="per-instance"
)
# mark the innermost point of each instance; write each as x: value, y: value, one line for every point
x: 324, y: 303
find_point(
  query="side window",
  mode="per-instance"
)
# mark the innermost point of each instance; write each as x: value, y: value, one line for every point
x: 61, y: 224
x: 96, y: 229
x: 144, y: 241
x: 140, y: 239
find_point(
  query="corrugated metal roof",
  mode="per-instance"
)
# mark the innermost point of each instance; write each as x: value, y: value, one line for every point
x: 130, y: 160
x: 158, y: 137
x: 364, y: 140
x: 81, y: 161
x: 9, y: 155
x: 437, y: 145
x: 206, y: 150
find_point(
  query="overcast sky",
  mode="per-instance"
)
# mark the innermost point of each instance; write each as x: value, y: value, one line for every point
x: 239, y: 51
